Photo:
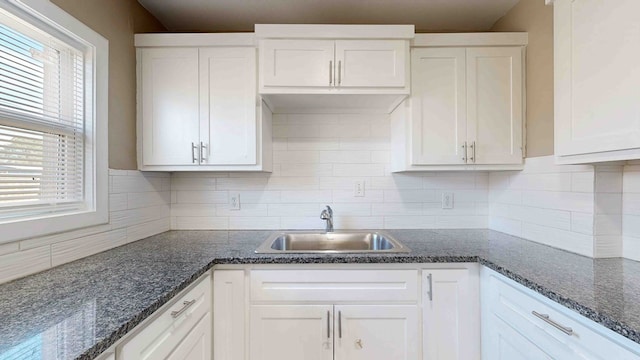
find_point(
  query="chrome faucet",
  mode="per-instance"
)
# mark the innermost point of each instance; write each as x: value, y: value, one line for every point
x: 327, y: 214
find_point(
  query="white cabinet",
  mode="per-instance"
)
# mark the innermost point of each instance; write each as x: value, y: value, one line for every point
x: 199, y: 110
x: 342, y: 314
x: 494, y: 105
x: 333, y: 64
x: 346, y: 313
x: 228, y: 106
x: 180, y: 331
x: 465, y: 109
x: 451, y: 314
x: 597, y: 80
x: 518, y: 323
x: 376, y: 332
x: 168, y: 102
x: 340, y: 332
x: 296, y: 63
x: 229, y: 321
x: 291, y: 332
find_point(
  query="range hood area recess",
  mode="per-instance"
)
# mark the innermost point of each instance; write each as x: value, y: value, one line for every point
x: 340, y: 68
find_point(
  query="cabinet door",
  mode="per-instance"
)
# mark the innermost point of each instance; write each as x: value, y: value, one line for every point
x: 597, y: 76
x: 505, y: 343
x: 494, y: 105
x: 376, y: 332
x: 197, y: 344
x: 297, y: 63
x: 371, y: 63
x: 438, y: 106
x: 228, y: 106
x: 229, y: 314
x: 451, y: 319
x: 169, y: 104
x: 291, y: 332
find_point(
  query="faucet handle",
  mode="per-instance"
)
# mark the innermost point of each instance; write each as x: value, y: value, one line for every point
x: 329, y: 210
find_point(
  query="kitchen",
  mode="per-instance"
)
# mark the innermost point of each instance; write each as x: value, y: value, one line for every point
x: 374, y: 158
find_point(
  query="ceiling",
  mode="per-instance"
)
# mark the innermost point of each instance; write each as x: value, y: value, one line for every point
x: 241, y: 15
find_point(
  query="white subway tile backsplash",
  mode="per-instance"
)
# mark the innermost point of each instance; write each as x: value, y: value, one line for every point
x: 303, y: 170
x: 22, y: 263
x: 312, y: 144
x: 341, y: 170
x: 345, y: 157
x: 66, y: 251
x: 582, y: 223
x: 319, y: 158
x: 608, y: 182
x: 292, y: 210
x: 200, y: 223
x: 311, y: 196
x: 245, y: 210
x: 409, y: 222
x: 410, y: 196
x: 395, y: 181
x: 370, y: 196
x: 9, y: 248
x: 573, y: 241
x: 254, y: 223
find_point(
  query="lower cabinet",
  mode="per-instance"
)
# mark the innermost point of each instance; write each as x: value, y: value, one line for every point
x: 347, y: 313
x: 451, y: 314
x: 180, y: 331
x: 519, y: 324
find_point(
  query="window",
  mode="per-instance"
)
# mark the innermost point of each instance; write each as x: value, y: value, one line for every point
x: 53, y: 74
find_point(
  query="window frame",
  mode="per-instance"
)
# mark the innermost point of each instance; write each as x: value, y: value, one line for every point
x: 43, y: 13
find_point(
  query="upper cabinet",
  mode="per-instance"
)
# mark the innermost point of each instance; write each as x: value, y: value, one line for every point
x: 597, y: 80
x: 466, y: 108
x: 334, y: 66
x: 198, y: 108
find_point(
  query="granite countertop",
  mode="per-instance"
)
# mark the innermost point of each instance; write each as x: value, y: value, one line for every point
x: 78, y: 310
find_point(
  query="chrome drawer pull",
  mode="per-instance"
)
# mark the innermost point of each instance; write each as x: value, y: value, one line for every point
x: 545, y: 318
x: 186, y: 304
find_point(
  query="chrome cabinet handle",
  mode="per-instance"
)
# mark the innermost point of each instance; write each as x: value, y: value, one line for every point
x: 193, y: 153
x: 340, y: 324
x: 430, y: 277
x: 330, y: 72
x: 473, y: 154
x: 185, y: 306
x: 328, y: 324
x: 464, y: 151
x: 547, y: 319
x: 339, y: 72
x: 202, y: 148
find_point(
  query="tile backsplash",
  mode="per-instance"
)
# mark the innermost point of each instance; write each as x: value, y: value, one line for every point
x: 546, y: 203
x: 631, y: 210
x: 317, y: 161
x: 138, y: 208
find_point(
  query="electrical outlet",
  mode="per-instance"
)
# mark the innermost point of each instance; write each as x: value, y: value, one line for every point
x: 234, y: 201
x: 447, y: 200
x: 358, y: 190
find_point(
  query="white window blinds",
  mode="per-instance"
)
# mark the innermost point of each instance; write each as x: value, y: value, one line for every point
x: 41, y: 121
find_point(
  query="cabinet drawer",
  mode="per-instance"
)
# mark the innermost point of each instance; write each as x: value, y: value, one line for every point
x: 334, y: 285
x: 513, y: 305
x: 161, y: 336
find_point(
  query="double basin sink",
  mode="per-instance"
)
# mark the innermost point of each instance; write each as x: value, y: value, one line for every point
x: 331, y: 242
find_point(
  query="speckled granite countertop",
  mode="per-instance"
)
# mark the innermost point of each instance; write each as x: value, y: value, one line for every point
x: 77, y: 310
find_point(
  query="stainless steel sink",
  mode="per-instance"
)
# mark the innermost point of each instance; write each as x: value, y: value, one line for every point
x: 333, y: 242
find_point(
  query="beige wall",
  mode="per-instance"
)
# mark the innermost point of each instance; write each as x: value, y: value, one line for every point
x: 118, y: 20
x: 537, y: 19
